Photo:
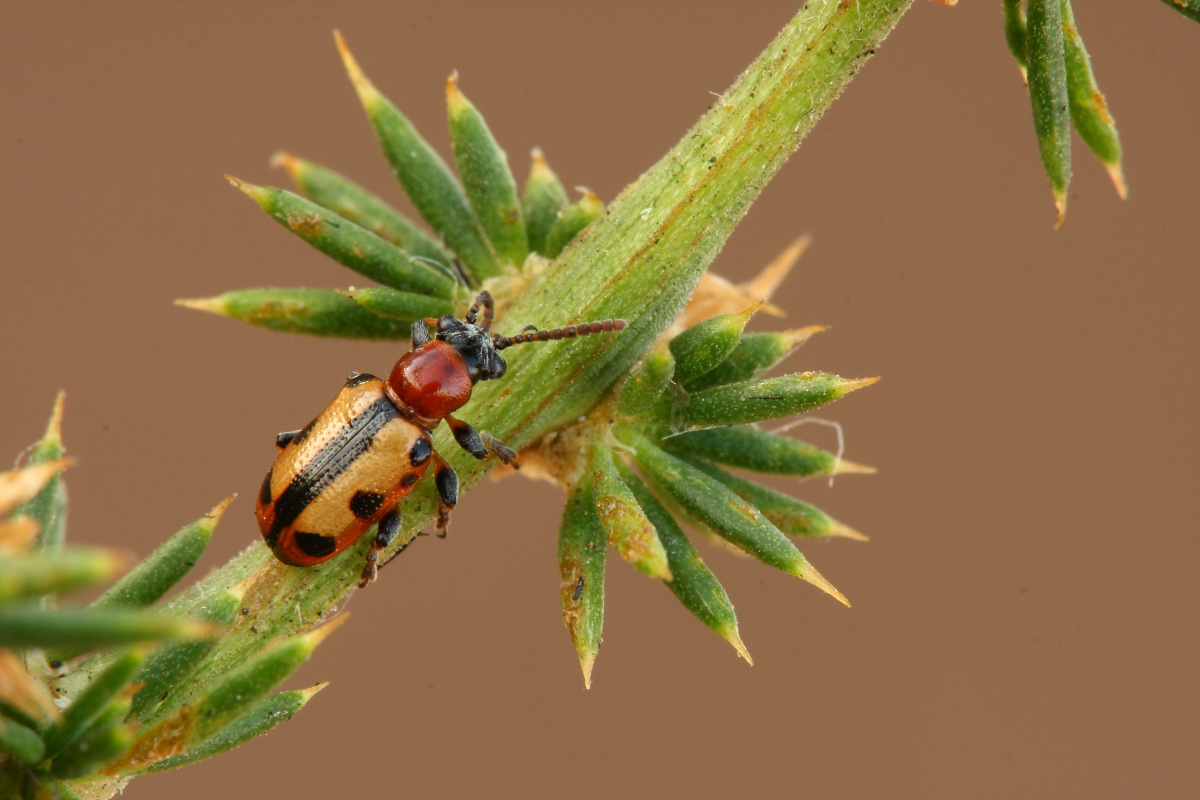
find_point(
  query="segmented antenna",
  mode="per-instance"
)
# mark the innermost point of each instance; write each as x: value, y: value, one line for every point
x: 489, y: 310
x: 567, y: 332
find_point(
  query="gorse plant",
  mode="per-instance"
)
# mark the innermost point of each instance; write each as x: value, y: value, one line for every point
x: 640, y: 428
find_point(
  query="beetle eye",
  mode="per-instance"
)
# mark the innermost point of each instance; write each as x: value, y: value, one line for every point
x: 496, y: 366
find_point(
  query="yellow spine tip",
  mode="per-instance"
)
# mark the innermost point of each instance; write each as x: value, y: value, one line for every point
x: 310, y: 691
x: 212, y: 305
x: 751, y: 310
x: 539, y: 158
x: 734, y: 638
x: 845, y: 467
x: 809, y: 574
x: 848, y: 386
x: 838, y: 529
x: 798, y: 336
x: 452, y: 86
x: 287, y: 161
x: 54, y: 426
x: 1118, y: 178
x: 366, y: 90
x: 1060, y: 203
x: 586, y: 662
x: 589, y: 200
x: 24, y: 483
x: 765, y: 284
x: 219, y: 508
x: 256, y: 193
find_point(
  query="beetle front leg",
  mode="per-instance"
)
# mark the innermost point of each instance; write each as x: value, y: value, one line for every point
x: 480, y: 443
x: 446, y: 480
x: 388, y: 530
x: 420, y: 332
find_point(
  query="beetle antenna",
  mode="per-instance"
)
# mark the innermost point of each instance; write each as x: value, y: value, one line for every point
x: 567, y: 332
x: 484, y: 300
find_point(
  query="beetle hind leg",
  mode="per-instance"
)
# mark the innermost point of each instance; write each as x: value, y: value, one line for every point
x: 389, y: 529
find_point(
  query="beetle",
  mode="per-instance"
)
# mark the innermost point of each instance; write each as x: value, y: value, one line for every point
x: 348, y: 468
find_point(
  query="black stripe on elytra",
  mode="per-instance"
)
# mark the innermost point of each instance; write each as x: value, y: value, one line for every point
x: 364, y: 504
x: 351, y: 441
x: 314, y: 544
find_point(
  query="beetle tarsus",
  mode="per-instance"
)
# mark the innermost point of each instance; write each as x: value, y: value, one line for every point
x: 503, y: 452
x: 447, y: 485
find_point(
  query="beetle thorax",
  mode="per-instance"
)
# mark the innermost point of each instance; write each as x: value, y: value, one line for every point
x: 430, y: 382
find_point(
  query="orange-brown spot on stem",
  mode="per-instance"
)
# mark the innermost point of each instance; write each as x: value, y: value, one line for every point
x: 169, y: 738
x: 307, y: 225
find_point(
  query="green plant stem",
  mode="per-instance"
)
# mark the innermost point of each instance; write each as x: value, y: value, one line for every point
x: 639, y: 261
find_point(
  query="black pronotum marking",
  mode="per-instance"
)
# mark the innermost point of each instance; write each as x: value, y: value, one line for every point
x: 352, y: 440
x: 357, y: 378
x: 365, y: 504
x: 421, y: 451
x: 314, y: 544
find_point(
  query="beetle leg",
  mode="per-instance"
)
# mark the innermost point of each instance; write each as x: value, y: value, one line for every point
x: 282, y: 440
x: 480, y: 443
x: 388, y: 530
x: 446, y: 480
x: 420, y: 333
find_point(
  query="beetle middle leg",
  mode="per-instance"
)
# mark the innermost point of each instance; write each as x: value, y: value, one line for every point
x: 480, y: 443
x: 446, y: 480
x: 388, y: 530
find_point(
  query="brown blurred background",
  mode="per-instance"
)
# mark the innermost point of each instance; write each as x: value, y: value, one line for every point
x: 1025, y: 614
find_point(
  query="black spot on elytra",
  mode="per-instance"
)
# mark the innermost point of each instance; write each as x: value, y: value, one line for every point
x: 409, y: 479
x: 264, y: 494
x: 350, y: 441
x: 421, y: 451
x: 365, y: 504
x: 314, y: 544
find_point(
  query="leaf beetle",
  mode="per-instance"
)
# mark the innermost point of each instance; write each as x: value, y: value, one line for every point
x: 348, y: 468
